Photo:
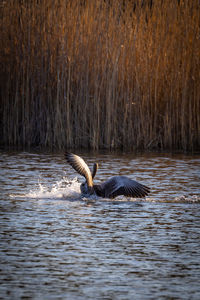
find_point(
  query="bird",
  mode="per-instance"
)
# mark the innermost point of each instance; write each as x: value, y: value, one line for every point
x: 111, y: 188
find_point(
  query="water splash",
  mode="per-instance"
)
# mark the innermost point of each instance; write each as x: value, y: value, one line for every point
x: 69, y: 189
x: 62, y: 189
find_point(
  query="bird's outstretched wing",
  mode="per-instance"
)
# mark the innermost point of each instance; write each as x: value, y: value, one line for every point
x: 122, y: 185
x: 80, y: 166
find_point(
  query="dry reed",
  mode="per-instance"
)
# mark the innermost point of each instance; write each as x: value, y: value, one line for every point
x: 100, y: 74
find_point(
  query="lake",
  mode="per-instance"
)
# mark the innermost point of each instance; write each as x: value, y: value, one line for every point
x: 55, y: 244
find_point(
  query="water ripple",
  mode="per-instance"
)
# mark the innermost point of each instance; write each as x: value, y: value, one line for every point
x: 57, y: 245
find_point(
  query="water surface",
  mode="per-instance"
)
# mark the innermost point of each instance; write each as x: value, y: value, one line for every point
x: 56, y: 245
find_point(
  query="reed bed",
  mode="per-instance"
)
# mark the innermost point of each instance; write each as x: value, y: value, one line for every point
x: 100, y: 74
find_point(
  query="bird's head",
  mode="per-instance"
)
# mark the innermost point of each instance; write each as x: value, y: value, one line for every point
x: 85, y: 189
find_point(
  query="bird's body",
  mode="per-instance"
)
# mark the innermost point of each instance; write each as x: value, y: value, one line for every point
x: 113, y: 187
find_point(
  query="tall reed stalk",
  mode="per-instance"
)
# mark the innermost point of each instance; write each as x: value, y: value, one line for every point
x: 100, y: 74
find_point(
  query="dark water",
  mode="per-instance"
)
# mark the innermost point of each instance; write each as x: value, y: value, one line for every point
x: 55, y: 245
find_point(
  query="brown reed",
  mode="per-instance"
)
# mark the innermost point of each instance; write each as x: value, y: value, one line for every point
x: 100, y: 74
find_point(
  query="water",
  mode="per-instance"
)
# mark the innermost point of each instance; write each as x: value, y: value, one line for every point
x: 56, y: 245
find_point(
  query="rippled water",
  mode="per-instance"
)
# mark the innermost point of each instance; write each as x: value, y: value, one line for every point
x: 56, y: 245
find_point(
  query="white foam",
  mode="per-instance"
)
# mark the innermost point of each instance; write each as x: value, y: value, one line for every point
x: 184, y: 198
x: 65, y: 188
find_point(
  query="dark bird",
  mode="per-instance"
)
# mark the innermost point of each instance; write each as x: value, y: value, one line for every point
x: 113, y: 187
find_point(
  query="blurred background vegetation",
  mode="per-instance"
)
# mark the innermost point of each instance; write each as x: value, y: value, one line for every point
x: 100, y: 74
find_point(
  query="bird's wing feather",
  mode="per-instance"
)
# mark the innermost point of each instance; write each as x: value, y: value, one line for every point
x: 80, y: 166
x: 94, y: 171
x: 122, y: 185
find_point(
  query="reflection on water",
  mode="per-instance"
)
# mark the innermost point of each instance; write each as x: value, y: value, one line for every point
x: 56, y: 245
